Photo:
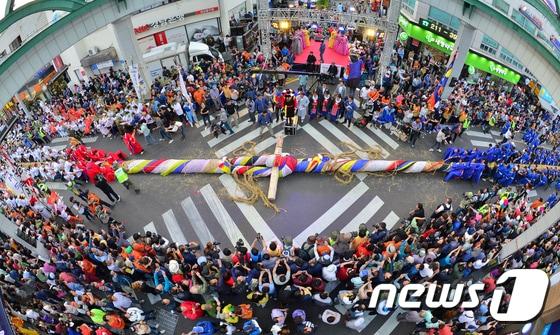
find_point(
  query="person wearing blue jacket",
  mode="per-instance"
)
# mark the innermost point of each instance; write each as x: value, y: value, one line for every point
x: 350, y: 108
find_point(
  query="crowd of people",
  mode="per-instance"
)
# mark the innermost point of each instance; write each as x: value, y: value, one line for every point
x: 95, y: 276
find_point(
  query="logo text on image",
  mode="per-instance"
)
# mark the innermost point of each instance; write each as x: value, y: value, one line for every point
x: 525, y: 303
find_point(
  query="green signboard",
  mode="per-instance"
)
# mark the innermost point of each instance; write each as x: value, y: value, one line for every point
x: 446, y: 46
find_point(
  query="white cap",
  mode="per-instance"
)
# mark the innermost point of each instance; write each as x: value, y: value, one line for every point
x: 173, y: 266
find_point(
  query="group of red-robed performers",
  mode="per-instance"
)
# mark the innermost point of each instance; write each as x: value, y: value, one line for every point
x: 97, y: 161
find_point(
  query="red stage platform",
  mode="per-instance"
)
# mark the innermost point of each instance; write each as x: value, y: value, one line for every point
x: 329, y: 56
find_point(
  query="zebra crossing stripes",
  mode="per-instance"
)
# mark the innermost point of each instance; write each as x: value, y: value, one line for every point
x: 238, y: 142
x: 89, y: 139
x: 475, y: 133
x: 173, y: 227
x: 222, y: 216
x: 384, y: 137
x: 205, y: 132
x: 268, y: 142
x: 344, y: 138
x: 64, y: 140
x: 483, y: 144
x: 495, y: 133
x: 58, y: 147
x: 390, y: 324
x: 364, y: 216
x: 56, y: 185
x: 197, y: 223
x: 333, y: 213
x: 200, y: 123
x: 391, y: 220
x: 321, y: 139
x: 368, y: 140
x: 341, y: 136
x: 59, y: 139
x: 150, y: 227
x: 217, y: 140
x: 249, y: 212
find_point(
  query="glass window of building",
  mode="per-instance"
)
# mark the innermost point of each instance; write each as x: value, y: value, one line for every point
x: 489, y: 45
x: 508, y: 57
x: 444, y: 18
x: 409, y: 5
x: 523, y: 21
x: 501, y: 5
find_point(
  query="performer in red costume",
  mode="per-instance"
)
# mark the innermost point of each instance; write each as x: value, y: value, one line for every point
x: 132, y: 144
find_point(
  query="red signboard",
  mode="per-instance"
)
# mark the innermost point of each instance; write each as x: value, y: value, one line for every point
x: 142, y: 29
x: 58, y: 63
x: 160, y: 38
x: 207, y: 10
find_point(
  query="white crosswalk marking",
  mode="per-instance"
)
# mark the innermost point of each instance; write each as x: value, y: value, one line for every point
x: 321, y: 139
x: 532, y: 193
x: 197, y: 223
x: 56, y: 185
x: 478, y: 134
x: 173, y: 227
x: 59, y: 140
x: 341, y: 136
x: 249, y: 212
x: 325, y: 220
x: 391, y: 220
x: 344, y: 138
x: 364, y: 216
x: 150, y: 227
x: 483, y: 144
x: 242, y: 113
x: 384, y: 137
x: 368, y: 140
x: 216, y: 140
x: 390, y: 324
x: 58, y: 147
x: 263, y: 145
x: 495, y: 133
x: 237, y: 143
x: 222, y: 216
x: 89, y: 139
x: 200, y: 123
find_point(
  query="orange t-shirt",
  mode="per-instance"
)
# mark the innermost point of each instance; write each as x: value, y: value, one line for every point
x: 373, y: 95
x: 85, y: 329
x: 115, y: 321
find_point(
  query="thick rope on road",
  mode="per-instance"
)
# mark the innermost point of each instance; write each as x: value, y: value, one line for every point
x: 245, y: 167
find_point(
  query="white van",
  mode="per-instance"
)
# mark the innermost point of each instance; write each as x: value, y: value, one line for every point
x: 200, y: 51
x: 174, y: 53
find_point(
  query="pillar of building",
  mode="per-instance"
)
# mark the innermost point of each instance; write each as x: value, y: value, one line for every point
x: 249, y: 5
x: 22, y: 106
x: 463, y: 43
x: 224, y: 17
x: 393, y: 13
x: 130, y: 51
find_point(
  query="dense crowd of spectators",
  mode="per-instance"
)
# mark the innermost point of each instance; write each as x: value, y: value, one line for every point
x: 95, y: 279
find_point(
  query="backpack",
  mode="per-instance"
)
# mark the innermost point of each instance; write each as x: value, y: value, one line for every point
x: 305, y: 251
x: 207, y: 326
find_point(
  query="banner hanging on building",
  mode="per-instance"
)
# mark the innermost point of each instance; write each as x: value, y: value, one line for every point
x: 183, y: 86
x: 134, y: 72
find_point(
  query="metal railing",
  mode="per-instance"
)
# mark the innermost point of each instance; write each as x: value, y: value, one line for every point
x: 332, y: 16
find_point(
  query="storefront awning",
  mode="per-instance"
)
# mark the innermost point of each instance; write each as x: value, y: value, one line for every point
x: 102, y: 56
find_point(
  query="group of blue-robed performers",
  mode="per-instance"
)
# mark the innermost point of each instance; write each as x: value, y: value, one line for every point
x: 533, y: 165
